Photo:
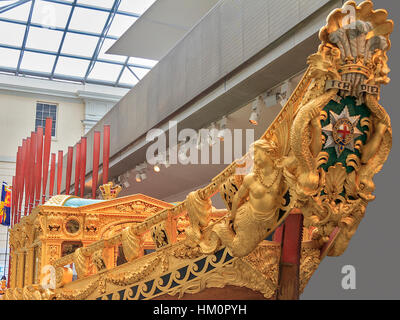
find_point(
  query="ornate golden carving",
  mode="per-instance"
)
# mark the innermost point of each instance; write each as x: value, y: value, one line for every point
x: 309, y: 262
x: 131, y: 244
x: 109, y: 191
x: 160, y: 235
x: 292, y: 169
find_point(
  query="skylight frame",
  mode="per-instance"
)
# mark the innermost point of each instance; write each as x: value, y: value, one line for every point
x: 93, y: 58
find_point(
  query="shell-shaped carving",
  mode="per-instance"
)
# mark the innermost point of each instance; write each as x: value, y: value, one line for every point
x: 334, y: 180
x: 131, y: 244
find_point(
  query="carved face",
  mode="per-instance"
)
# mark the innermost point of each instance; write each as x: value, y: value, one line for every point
x: 262, y: 158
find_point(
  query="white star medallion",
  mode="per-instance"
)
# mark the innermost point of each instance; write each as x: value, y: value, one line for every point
x: 341, y: 131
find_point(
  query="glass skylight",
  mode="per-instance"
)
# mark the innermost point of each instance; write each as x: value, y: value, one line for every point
x: 37, y: 62
x: 67, y: 40
x: 9, y: 57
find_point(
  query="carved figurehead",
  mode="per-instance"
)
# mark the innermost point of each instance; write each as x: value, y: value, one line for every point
x: 256, y: 205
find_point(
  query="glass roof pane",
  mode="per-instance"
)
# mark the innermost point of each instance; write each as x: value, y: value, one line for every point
x: 128, y: 78
x: 72, y: 67
x: 45, y: 39
x: 98, y: 3
x: 9, y: 57
x: 106, y: 45
x: 140, y: 72
x: 18, y: 13
x: 11, y: 34
x: 105, y: 71
x: 138, y: 7
x: 82, y: 16
x: 37, y: 62
x: 120, y: 24
x: 78, y: 44
x: 143, y: 62
x: 51, y: 15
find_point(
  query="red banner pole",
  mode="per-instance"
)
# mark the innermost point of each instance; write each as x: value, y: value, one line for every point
x: 83, y: 165
x: 27, y: 175
x: 32, y: 184
x: 106, y: 153
x: 52, y: 174
x: 46, y: 155
x: 69, y: 170
x: 16, y: 185
x: 21, y: 178
x: 59, y: 170
x: 13, y: 196
x: 96, y: 156
x: 77, y: 167
x: 39, y: 161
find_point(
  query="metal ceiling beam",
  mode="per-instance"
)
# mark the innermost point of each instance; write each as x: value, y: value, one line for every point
x: 37, y: 25
x: 66, y: 55
x: 28, y: 25
x: 62, y: 77
x: 99, y: 45
x: 87, y: 6
x: 133, y: 73
x: 122, y: 71
x: 12, y: 5
x: 62, y: 39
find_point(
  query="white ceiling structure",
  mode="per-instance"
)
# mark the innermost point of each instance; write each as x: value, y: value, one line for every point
x: 160, y: 28
x: 67, y: 40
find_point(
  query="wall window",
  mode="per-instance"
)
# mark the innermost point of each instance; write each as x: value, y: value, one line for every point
x: 43, y: 111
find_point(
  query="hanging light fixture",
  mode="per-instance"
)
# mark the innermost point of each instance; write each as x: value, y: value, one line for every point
x: 222, y: 128
x: 255, y: 113
x: 140, y: 172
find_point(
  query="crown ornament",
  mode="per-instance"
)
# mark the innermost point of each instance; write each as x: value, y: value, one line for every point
x: 353, y: 53
x: 109, y: 191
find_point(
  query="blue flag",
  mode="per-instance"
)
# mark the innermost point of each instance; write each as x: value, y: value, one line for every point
x: 5, y: 204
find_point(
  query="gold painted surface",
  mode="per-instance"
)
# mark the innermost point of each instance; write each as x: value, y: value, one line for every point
x: 287, y: 161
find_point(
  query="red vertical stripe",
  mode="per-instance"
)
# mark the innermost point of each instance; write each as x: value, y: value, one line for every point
x: 39, y: 161
x: 106, y: 153
x: 26, y: 174
x: 291, y: 247
x: 52, y: 174
x: 16, y: 186
x: 13, y: 201
x: 59, y: 171
x: 22, y: 179
x: 32, y: 185
x: 77, y: 167
x: 83, y: 165
x: 96, y: 156
x: 46, y: 155
x: 69, y: 170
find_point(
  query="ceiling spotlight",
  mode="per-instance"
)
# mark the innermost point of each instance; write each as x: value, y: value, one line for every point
x: 281, y: 98
x: 156, y: 168
x: 222, y: 128
x: 140, y: 175
x: 254, y: 114
x: 126, y: 184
